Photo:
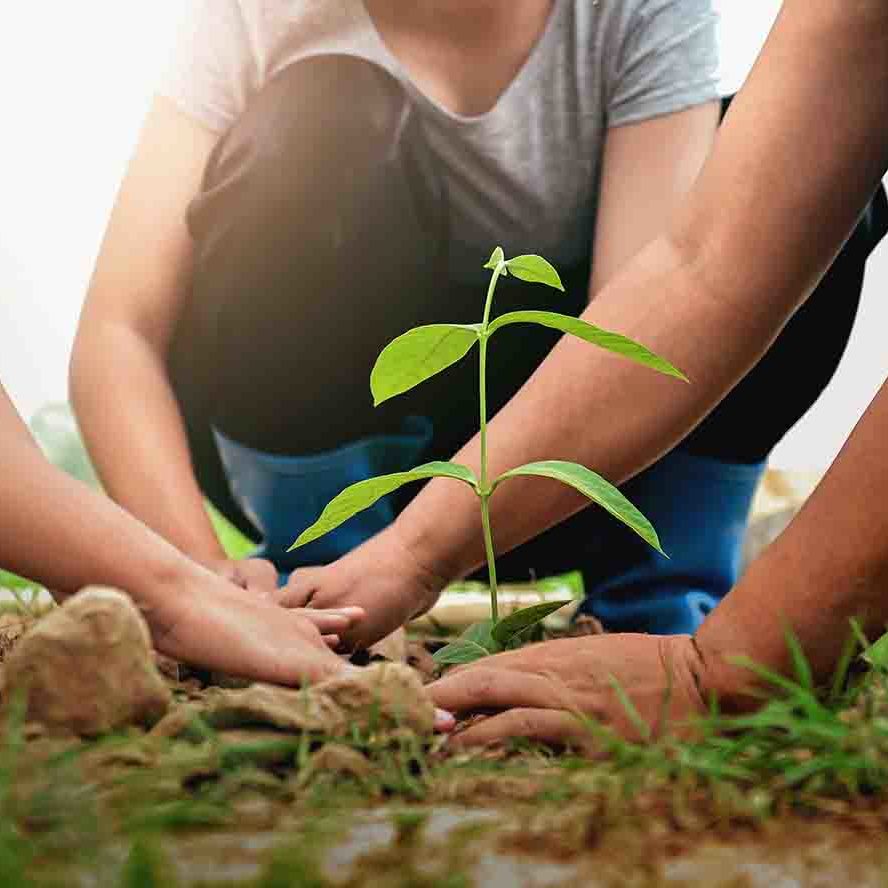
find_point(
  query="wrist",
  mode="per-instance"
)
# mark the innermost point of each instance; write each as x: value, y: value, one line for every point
x: 203, y: 548
x: 428, y: 575
x: 445, y: 549
x: 726, y: 636
x: 158, y: 577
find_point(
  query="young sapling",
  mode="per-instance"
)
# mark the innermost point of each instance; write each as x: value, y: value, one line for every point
x: 423, y: 352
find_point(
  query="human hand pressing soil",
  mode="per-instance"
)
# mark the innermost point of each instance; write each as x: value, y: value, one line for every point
x: 382, y: 576
x: 207, y: 621
x: 542, y: 691
x: 57, y: 531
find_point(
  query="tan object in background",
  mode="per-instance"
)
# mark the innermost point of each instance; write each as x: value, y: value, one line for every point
x: 778, y: 500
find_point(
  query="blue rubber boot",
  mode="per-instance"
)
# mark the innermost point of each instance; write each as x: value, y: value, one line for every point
x: 282, y: 495
x: 700, y: 508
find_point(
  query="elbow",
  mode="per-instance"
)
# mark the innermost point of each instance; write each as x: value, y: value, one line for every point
x: 77, y: 367
x: 80, y: 363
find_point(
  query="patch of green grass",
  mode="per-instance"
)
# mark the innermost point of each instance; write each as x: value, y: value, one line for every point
x: 146, y: 867
x: 806, y: 750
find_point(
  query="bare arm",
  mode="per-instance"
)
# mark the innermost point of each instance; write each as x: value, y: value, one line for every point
x: 830, y: 565
x: 648, y: 168
x: 55, y: 530
x: 59, y: 532
x: 119, y: 383
x: 647, y: 171
x: 800, y: 153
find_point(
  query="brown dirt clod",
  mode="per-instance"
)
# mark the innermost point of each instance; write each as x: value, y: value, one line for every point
x: 384, y: 697
x: 87, y: 667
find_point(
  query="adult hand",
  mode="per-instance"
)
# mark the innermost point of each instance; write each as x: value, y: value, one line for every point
x: 539, y: 692
x: 382, y: 576
x: 253, y: 574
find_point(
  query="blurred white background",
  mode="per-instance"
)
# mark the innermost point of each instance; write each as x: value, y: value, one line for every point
x: 77, y: 78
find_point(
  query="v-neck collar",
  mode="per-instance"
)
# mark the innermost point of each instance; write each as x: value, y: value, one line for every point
x: 526, y: 73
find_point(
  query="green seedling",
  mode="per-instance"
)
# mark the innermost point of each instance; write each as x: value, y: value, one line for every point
x: 421, y: 353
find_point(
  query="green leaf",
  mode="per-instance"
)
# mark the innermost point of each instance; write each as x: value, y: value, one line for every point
x: 458, y: 652
x: 364, y: 494
x: 536, y: 270
x: 612, y: 342
x: 800, y: 663
x: 482, y: 634
x: 877, y: 654
x: 19, y: 584
x: 799, y: 695
x: 418, y: 355
x: 595, y: 488
x: 512, y: 626
x: 495, y: 259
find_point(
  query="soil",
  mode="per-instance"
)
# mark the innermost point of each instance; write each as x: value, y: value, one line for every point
x: 344, y: 785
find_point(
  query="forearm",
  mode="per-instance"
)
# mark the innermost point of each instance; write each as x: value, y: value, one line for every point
x: 829, y: 566
x: 53, y: 529
x: 139, y: 445
x: 801, y: 151
x: 587, y: 406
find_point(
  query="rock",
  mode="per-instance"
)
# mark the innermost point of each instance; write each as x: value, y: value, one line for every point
x: 392, y: 648
x: 421, y: 660
x: 12, y: 629
x: 336, y: 759
x: 88, y: 667
x: 180, y: 721
x: 169, y: 668
x: 383, y: 697
x: 267, y: 705
x: 386, y: 696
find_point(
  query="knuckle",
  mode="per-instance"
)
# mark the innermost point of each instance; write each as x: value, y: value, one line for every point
x: 525, y: 722
x: 480, y: 682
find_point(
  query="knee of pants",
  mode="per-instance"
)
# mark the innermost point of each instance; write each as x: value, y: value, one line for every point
x: 315, y: 210
x: 314, y: 147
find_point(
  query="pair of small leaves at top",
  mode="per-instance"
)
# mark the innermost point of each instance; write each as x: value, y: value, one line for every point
x: 364, y: 494
x: 425, y: 351
x: 486, y: 638
x: 530, y: 268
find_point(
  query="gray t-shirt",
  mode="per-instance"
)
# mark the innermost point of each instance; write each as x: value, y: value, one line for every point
x: 524, y: 174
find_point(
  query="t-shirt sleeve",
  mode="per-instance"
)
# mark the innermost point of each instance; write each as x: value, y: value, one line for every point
x: 212, y: 69
x: 666, y: 60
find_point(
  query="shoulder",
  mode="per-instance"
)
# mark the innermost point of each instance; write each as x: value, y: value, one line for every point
x: 620, y: 19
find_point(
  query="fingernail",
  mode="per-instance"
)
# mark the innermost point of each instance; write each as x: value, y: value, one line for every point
x: 444, y: 721
x: 349, y: 611
x: 332, y: 640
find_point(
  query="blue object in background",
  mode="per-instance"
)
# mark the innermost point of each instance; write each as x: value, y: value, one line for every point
x: 282, y: 495
x: 700, y: 508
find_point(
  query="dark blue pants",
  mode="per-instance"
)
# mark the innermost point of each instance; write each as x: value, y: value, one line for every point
x: 321, y: 233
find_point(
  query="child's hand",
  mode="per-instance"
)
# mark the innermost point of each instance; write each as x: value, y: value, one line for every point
x: 382, y: 576
x: 204, y: 620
